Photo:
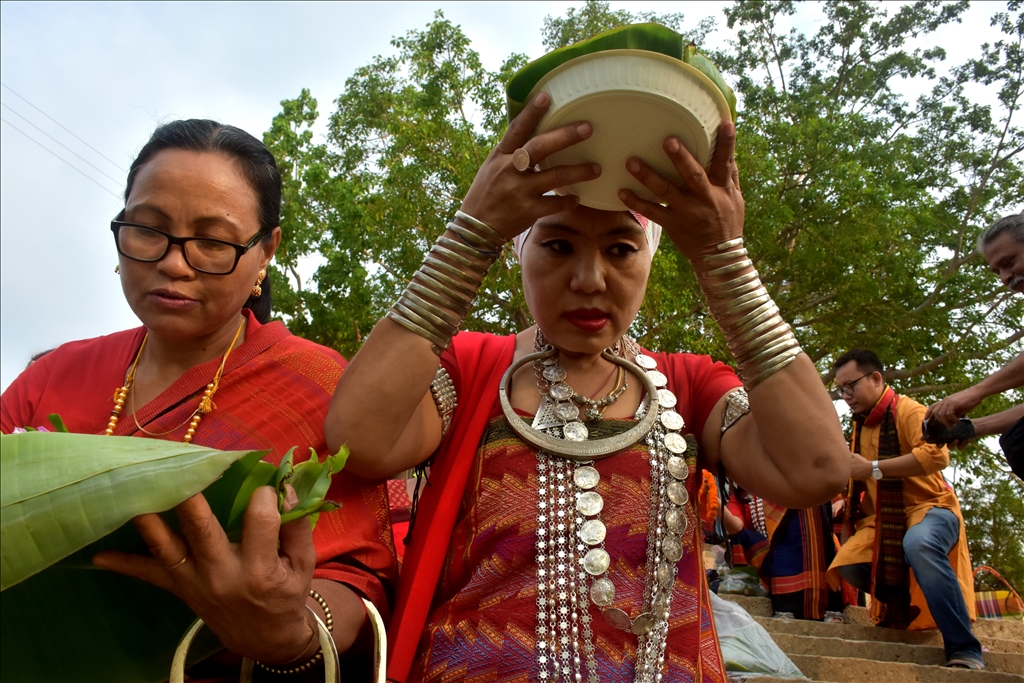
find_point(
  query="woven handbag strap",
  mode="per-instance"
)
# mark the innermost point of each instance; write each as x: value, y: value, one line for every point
x: 993, y: 572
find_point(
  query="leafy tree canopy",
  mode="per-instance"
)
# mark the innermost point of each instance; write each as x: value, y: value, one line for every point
x: 863, y: 205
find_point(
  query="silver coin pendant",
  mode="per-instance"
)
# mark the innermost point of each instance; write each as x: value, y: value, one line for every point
x: 577, y: 431
x: 602, y: 592
x: 672, y: 420
x: 666, y: 398
x: 677, y: 467
x: 553, y: 373
x: 674, y: 442
x: 617, y: 618
x: 666, y: 575
x: 586, y: 477
x: 672, y: 550
x: 646, y: 362
x: 643, y: 623
x: 592, y: 532
x: 596, y: 561
x: 566, y: 412
x: 589, y: 503
x: 658, y: 379
x: 677, y: 493
x: 560, y: 391
x: 675, y: 520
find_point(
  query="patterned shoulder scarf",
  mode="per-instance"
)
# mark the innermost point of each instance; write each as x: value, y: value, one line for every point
x: 890, y: 579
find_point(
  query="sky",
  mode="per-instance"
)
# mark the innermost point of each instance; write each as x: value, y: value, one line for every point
x: 88, y: 83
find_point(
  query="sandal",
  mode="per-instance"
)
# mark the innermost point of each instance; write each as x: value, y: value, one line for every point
x: 961, y: 663
x: 834, y: 618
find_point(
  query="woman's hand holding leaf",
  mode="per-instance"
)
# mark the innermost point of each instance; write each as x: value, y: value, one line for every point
x: 251, y: 594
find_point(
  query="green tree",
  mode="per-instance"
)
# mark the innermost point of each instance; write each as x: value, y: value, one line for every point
x: 862, y: 205
x: 404, y: 144
x: 597, y: 17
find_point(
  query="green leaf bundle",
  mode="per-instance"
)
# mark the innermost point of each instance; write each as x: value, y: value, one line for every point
x: 66, y: 497
x: 650, y: 37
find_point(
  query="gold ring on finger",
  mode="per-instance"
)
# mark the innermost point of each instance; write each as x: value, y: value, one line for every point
x: 521, y: 159
x: 179, y: 563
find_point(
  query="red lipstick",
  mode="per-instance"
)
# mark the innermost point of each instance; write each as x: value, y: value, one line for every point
x: 588, y: 319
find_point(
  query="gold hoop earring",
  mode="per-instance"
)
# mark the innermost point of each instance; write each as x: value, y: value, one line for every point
x: 117, y: 269
x: 256, y: 289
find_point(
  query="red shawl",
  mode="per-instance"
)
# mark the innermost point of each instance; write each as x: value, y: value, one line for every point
x: 481, y: 361
x: 273, y: 395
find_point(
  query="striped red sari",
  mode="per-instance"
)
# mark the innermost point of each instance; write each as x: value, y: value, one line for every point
x: 273, y: 395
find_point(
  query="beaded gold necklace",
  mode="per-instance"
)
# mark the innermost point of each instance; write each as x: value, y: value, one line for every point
x: 206, y: 404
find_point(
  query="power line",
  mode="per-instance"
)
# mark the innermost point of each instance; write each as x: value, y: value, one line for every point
x: 89, y: 177
x: 101, y: 172
x: 123, y: 170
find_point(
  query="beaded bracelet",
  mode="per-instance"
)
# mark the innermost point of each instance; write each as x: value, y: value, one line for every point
x: 316, y: 658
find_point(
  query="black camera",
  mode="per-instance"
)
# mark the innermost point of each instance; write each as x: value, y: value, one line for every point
x: 937, y: 433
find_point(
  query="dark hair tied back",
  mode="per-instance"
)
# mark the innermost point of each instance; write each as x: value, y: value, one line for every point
x: 253, y: 158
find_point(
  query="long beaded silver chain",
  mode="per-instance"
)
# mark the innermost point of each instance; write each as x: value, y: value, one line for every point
x: 571, y: 557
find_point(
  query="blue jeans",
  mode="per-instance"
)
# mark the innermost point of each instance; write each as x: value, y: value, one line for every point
x: 926, y: 547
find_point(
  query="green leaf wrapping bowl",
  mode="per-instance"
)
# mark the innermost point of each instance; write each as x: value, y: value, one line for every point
x: 634, y: 99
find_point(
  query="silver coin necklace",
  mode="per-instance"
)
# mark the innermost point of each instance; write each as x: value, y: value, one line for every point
x: 572, y: 561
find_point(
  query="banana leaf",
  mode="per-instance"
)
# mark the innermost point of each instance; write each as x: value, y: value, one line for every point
x: 650, y: 37
x: 73, y: 622
x: 60, y: 492
x: 706, y: 67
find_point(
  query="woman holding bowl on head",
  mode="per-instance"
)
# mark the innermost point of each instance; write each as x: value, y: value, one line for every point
x: 558, y: 538
x: 199, y: 228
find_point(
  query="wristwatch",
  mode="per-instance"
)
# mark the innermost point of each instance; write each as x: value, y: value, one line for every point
x: 876, y: 473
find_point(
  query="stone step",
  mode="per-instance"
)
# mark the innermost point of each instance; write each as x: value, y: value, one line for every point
x: 850, y: 670
x: 800, y: 627
x: 990, y: 631
x: 888, y: 652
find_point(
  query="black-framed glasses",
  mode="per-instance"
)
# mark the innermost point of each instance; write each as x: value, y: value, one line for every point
x: 203, y: 254
x: 847, y: 389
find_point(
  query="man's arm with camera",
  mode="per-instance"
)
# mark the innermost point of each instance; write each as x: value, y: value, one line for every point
x: 953, y: 407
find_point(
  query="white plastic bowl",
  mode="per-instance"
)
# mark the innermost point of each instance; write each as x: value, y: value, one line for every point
x: 634, y: 99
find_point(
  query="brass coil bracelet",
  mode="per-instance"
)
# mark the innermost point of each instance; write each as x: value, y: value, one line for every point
x: 760, y: 340
x: 441, y: 293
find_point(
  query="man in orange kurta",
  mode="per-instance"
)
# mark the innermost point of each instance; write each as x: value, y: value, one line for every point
x: 924, y: 525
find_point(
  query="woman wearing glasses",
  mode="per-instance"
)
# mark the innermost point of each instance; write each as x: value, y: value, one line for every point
x: 199, y: 228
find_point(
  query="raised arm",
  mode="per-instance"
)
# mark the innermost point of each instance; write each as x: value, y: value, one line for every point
x: 953, y: 407
x: 383, y: 409
x: 792, y: 452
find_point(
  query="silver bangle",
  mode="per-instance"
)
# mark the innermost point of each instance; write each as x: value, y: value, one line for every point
x: 725, y: 270
x: 484, y: 231
x: 441, y: 249
x: 443, y: 391
x: 760, y: 340
x: 428, y: 316
x: 440, y: 294
x: 729, y: 244
x: 728, y: 287
x: 737, y: 404
x: 438, y: 343
x: 724, y: 257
